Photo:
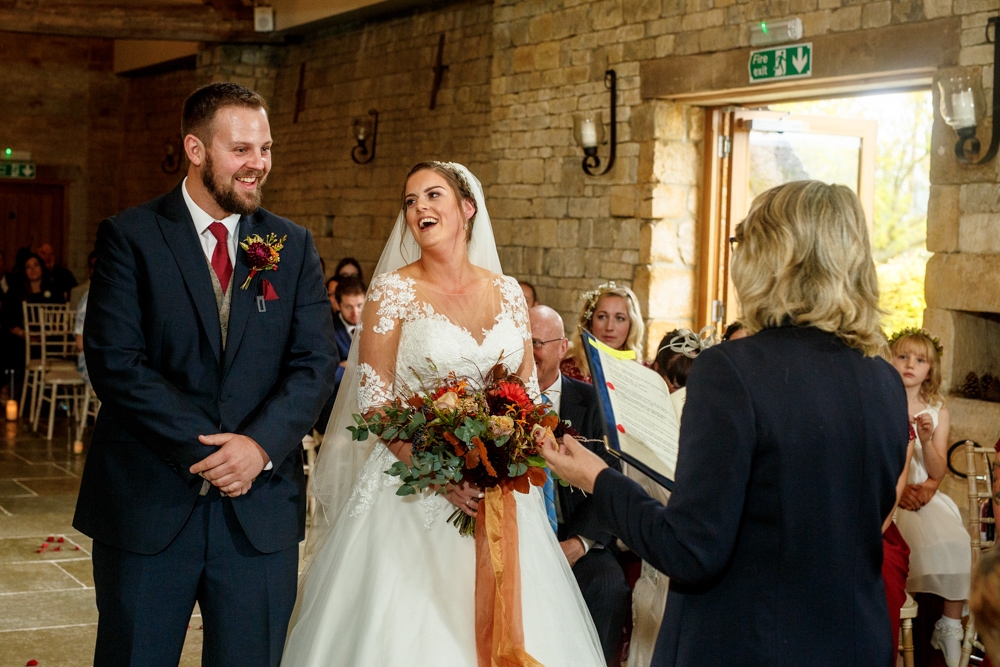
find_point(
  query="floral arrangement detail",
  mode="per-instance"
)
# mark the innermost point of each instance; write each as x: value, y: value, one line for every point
x: 917, y: 331
x: 460, y: 434
x: 262, y: 253
x: 593, y: 296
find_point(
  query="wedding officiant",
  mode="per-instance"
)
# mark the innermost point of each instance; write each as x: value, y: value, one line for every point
x: 790, y: 448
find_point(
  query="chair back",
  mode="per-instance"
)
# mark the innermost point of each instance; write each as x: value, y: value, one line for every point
x: 58, y: 340
x: 33, y: 318
x: 980, y: 475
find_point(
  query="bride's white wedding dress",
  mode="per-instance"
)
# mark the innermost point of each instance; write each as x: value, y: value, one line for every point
x: 394, y: 583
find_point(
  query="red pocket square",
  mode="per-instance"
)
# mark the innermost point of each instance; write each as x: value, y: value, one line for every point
x: 269, y: 293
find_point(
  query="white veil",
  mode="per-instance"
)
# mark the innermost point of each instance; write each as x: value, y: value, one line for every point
x: 340, y: 458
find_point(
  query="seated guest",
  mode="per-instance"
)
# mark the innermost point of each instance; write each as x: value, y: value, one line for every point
x: 530, y: 296
x: 735, y: 331
x: 589, y: 549
x: 349, y: 267
x: 63, y: 280
x: 331, y: 289
x: 5, y: 280
x: 612, y: 314
x: 33, y: 285
x: 790, y: 453
x: 349, y: 297
x: 674, y: 357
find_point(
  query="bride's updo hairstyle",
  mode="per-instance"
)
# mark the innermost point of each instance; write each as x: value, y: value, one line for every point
x: 455, y: 179
x: 803, y: 257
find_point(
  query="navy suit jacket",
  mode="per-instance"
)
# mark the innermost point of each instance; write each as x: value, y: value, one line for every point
x: 154, y: 352
x: 343, y: 344
x: 578, y: 404
x: 790, y: 448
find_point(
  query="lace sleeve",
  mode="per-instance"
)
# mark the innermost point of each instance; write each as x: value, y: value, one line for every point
x: 384, y: 311
x: 513, y: 306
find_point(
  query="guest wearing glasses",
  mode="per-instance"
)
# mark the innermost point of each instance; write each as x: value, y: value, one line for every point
x: 791, y: 447
x: 590, y: 550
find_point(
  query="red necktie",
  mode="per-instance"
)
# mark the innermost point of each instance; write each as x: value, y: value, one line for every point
x: 220, y: 256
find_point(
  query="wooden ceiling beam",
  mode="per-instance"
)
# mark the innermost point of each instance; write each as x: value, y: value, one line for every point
x: 188, y: 23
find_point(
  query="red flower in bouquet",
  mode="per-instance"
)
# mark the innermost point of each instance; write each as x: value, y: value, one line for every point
x: 515, y: 393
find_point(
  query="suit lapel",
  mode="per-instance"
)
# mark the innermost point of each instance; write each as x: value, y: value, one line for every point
x: 242, y: 299
x: 569, y: 405
x: 178, y: 231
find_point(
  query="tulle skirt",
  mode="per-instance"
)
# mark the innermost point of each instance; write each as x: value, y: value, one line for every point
x: 940, y: 552
x: 395, y: 585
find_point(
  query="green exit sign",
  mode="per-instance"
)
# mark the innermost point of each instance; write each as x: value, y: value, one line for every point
x: 17, y: 169
x: 781, y: 62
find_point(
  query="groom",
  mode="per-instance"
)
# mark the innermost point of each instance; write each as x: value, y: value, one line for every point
x: 209, y: 375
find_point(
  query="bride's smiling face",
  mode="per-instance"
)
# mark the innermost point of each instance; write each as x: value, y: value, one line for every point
x: 434, y: 212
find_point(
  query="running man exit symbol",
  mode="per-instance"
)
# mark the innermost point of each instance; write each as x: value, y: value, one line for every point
x: 781, y: 62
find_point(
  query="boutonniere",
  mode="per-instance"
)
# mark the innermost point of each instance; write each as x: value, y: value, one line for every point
x: 262, y: 254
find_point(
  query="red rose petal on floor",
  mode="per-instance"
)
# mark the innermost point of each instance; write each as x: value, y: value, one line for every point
x: 201, y: 627
x: 31, y: 663
x: 57, y: 548
x: 38, y: 551
x: 50, y: 539
x: 61, y: 540
x: 76, y: 548
x: 45, y: 545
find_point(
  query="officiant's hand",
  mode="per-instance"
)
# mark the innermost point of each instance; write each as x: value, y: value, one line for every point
x: 234, y: 467
x: 571, y: 461
x: 465, y: 497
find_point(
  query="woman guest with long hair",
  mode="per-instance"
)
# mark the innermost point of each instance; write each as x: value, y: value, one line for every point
x: 610, y: 312
x: 791, y: 446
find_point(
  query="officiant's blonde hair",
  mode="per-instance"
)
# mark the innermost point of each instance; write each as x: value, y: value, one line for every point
x: 803, y: 257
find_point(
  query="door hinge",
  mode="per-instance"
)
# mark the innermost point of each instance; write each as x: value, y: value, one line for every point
x: 718, y: 311
x: 725, y: 147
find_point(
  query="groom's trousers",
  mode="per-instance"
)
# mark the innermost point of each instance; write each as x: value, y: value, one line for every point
x: 245, y: 596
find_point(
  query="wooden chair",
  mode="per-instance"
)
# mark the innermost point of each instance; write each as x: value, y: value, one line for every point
x: 91, y: 406
x: 907, y: 613
x: 979, y: 462
x: 59, y: 373
x: 35, y: 357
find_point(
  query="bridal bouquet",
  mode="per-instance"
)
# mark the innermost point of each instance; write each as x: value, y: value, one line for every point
x: 482, y: 436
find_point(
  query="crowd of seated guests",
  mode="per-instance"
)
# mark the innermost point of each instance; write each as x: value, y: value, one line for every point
x: 34, y: 278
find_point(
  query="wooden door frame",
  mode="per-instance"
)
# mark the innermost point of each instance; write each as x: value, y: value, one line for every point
x: 42, y: 180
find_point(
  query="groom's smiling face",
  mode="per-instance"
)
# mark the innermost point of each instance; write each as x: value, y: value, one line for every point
x: 238, y: 159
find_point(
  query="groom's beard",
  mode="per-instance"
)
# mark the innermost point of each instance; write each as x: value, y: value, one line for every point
x: 229, y: 198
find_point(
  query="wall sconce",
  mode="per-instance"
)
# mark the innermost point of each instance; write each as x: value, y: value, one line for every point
x: 365, y: 129
x: 963, y: 106
x: 172, y: 159
x: 589, y: 130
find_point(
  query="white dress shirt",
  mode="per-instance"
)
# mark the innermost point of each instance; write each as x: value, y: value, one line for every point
x: 201, y: 222
x: 347, y: 325
x: 208, y: 242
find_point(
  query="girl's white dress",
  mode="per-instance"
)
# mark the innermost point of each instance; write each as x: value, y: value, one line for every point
x: 940, y: 552
x: 394, y: 584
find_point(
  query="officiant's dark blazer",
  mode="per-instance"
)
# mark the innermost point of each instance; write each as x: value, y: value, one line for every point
x: 790, y: 449
x: 155, y: 355
x: 578, y: 405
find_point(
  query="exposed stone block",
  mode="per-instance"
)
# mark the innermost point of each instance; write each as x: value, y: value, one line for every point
x: 876, y: 14
x: 845, y: 18
x: 978, y: 233
x: 963, y: 281
x: 624, y: 201
x: 665, y: 291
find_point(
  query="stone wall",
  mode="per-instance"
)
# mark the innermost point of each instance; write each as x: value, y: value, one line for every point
x: 350, y: 208
x: 61, y: 102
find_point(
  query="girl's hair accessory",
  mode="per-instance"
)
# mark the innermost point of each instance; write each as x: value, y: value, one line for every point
x: 917, y: 331
x: 592, y: 296
x: 689, y: 343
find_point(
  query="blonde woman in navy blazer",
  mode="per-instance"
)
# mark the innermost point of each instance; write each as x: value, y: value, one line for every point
x: 790, y: 448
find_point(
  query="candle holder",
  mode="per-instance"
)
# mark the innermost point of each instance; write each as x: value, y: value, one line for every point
x: 589, y: 130
x: 963, y: 106
x: 365, y: 129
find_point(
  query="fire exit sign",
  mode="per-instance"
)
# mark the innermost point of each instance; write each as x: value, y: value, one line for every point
x: 17, y: 169
x: 781, y: 62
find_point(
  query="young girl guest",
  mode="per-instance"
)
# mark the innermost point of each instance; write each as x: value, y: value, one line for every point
x: 612, y: 314
x: 940, y: 555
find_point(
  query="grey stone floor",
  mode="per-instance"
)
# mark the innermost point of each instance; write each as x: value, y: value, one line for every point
x: 47, y: 608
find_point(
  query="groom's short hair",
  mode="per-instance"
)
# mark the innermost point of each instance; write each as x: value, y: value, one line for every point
x: 201, y: 106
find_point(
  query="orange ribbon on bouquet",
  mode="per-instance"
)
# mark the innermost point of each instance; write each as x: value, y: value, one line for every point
x: 499, y: 626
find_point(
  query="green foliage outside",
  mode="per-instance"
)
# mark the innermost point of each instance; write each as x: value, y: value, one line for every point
x: 902, y: 187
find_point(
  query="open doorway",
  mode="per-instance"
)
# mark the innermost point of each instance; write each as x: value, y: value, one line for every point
x: 878, y: 145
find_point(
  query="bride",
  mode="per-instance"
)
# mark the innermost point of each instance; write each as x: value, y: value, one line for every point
x: 389, y: 580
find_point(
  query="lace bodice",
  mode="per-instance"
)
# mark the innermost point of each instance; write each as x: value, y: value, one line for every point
x: 413, y: 336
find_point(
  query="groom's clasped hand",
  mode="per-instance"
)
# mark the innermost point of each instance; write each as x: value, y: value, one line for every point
x: 235, y: 466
